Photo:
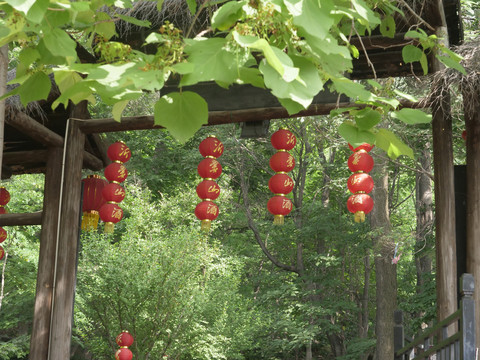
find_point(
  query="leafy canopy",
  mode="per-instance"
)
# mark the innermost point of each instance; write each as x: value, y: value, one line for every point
x: 291, y: 47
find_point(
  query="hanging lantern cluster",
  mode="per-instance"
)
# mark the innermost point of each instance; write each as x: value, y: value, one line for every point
x: 92, y: 201
x: 124, y: 340
x: 113, y: 193
x: 360, y: 183
x: 281, y: 184
x: 4, y: 199
x: 208, y: 190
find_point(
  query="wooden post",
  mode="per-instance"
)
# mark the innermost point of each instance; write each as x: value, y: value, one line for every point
x: 446, y: 276
x: 46, y: 259
x: 398, y: 333
x: 472, y: 122
x: 68, y: 232
x: 467, y: 304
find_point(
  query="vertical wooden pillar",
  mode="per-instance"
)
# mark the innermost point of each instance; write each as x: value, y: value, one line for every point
x: 472, y: 122
x: 446, y: 276
x: 65, y: 270
x: 46, y: 259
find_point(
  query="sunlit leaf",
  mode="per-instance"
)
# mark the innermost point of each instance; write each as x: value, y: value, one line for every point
x: 412, y: 116
x: 392, y: 145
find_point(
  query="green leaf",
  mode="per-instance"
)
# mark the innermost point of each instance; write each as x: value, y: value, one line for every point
x: 28, y: 56
x: 182, y: 114
x: 154, y: 38
x: 37, y: 87
x: 392, y: 145
x: 364, y: 11
x: 424, y: 63
x: 451, y: 63
x: 291, y: 106
x: 412, y: 116
x: 37, y: 11
x: 367, y: 118
x: 183, y: 68
x: 21, y: 5
x: 58, y: 43
x: 227, y: 15
x: 353, y: 135
x: 339, y: 111
x: 57, y: 19
x: 387, y: 26
x: 312, y: 16
x: 192, y: 6
x: 159, y: 5
x: 212, y: 60
x: 414, y: 34
x: 251, y: 76
x: 352, y: 89
x: 118, y: 108
x: 411, y: 53
x: 134, y: 21
x: 104, y: 25
x: 405, y: 95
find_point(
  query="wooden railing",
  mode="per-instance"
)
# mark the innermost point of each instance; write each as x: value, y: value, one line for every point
x: 436, y: 343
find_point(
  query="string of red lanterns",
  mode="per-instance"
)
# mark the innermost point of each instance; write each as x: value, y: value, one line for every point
x: 124, y: 340
x: 4, y: 199
x: 208, y: 190
x: 114, y: 193
x: 92, y: 201
x: 360, y: 183
x: 281, y: 184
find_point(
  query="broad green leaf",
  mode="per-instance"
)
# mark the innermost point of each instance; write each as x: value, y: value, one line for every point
x: 227, y: 15
x: 14, y: 29
x: 154, y: 38
x: 451, y: 63
x: 411, y: 53
x: 65, y: 79
x: 37, y: 87
x: 312, y: 16
x: 291, y: 106
x: 424, y: 63
x: 414, y: 34
x: 352, y: 89
x: 374, y: 84
x: 412, y: 116
x: 192, y: 6
x: 57, y: 18
x: 405, y: 95
x: 251, y: 76
x: 182, y: 114
x: 339, y: 111
x: 28, y: 56
x: 160, y: 5
x: 392, y: 145
x: 111, y: 75
x: 364, y: 11
x: 301, y: 90
x: 134, y: 21
x: 104, y: 25
x: 37, y: 11
x: 123, y: 4
x: 21, y: 5
x: 367, y: 118
x: 387, y: 27
x: 212, y: 60
x: 77, y: 92
x: 183, y: 68
x: 118, y: 108
x: 59, y: 43
x: 452, y: 54
x: 353, y: 135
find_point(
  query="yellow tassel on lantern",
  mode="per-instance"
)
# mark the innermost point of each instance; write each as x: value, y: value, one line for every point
x: 90, y: 220
x: 359, y: 216
x: 109, y: 227
x: 278, y: 219
x: 206, y: 225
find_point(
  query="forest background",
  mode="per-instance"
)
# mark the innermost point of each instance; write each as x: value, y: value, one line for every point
x: 185, y: 294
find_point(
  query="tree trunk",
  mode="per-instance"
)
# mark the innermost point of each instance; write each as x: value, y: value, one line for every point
x: 386, y: 272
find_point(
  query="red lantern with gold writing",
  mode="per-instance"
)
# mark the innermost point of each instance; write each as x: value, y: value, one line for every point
x: 209, y: 168
x: 282, y: 161
x: 111, y: 214
x: 211, y: 147
x: 283, y: 139
x: 206, y: 211
x: 4, y: 196
x: 279, y: 206
x: 365, y: 147
x: 123, y: 354
x: 280, y: 183
x: 208, y: 189
x: 119, y: 152
x: 2, y: 252
x: 360, y: 183
x: 360, y: 161
x: 113, y: 192
x: 3, y: 234
x: 360, y: 205
x: 124, y: 339
x: 116, y: 172
x: 92, y: 201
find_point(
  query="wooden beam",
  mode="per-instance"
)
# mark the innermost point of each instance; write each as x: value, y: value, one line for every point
x: 21, y: 219
x: 47, y: 137
x: 22, y: 157
x: 39, y: 340
x: 68, y: 236
x: 220, y: 117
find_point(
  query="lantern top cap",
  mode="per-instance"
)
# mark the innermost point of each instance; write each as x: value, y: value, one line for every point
x: 2, y: 187
x: 124, y: 331
x: 94, y: 176
x: 212, y: 136
x: 122, y: 142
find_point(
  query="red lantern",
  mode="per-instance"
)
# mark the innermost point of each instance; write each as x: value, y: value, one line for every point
x: 360, y: 161
x: 206, y: 211
x: 211, y: 147
x: 4, y: 196
x: 360, y: 183
x: 209, y: 168
x: 282, y: 161
x: 124, y: 339
x: 119, y: 152
x: 116, y: 172
x: 123, y: 354
x: 3, y: 210
x: 464, y: 135
x: 208, y: 189
x: 113, y: 192
x: 283, y: 139
x: 279, y: 206
x: 111, y: 214
x: 360, y: 205
x: 2, y: 253
x: 92, y: 201
x: 280, y: 184
x: 3, y: 235
x: 365, y: 147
